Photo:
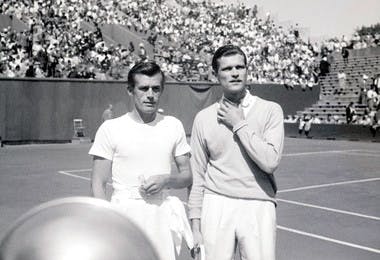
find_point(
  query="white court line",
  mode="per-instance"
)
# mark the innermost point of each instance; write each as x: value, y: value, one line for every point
x: 328, y: 185
x: 363, y: 154
x: 73, y: 175
x: 319, y: 152
x: 374, y: 250
x: 78, y: 176
x: 81, y: 170
x: 366, y: 151
x: 329, y: 209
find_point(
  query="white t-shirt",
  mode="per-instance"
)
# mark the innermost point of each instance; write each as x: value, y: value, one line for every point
x: 136, y: 148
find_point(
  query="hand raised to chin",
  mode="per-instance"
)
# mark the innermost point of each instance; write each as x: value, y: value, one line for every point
x: 229, y: 114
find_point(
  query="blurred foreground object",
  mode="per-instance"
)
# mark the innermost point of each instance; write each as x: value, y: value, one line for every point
x: 75, y: 228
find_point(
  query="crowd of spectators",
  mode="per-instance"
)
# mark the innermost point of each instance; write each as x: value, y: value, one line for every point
x: 184, y: 37
x: 355, y: 42
x: 55, y: 45
x: 194, y: 29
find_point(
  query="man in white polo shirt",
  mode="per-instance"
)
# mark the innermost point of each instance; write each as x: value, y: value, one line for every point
x: 136, y: 150
x: 236, y: 146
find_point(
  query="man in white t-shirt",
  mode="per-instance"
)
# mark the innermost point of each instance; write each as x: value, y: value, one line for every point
x: 136, y: 150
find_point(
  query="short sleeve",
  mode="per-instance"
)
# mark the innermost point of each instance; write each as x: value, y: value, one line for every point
x: 102, y: 145
x: 181, y: 145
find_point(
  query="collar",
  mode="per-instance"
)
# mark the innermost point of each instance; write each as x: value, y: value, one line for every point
x: 248, y: 100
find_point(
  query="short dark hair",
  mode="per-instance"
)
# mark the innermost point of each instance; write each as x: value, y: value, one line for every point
x: 148, y: 68
x: 226, y: 50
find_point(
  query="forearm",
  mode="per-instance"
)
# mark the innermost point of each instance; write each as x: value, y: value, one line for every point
x: 198, y: 162
x: 196, y: 224
x: 197, y: 192
x: 98, y: 189
x: 178, y: 181
x: 100, y: 174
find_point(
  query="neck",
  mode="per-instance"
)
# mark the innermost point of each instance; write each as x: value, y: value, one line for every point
x: 236, y: 97
x: 146, y: 118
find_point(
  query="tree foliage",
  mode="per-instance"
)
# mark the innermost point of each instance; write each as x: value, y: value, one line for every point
x: 366, y: 30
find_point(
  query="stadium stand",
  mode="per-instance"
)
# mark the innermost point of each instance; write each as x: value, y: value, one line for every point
x: 101, y: 39
x: 360, y: 71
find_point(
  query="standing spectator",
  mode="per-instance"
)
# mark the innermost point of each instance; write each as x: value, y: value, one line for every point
x: 364, y: 80
x: 74, y: 73
x: 305, y: 124
x: 372, y: 98
x: 131, y: 47
x: 324, y: 66
x: 376, y: 82
x: 342, y: 80
x: 142, y: 52
x: 39, y: 71
x: 345, y: 55
x: 362, y: 96
x: 108, y: 113
x: 30, y: 72
x: 236, y: 147
x: 351, y: 113
x: 375, y: 122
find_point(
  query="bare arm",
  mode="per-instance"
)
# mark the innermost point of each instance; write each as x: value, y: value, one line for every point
x: 156, y: 183
x: 101, y: 172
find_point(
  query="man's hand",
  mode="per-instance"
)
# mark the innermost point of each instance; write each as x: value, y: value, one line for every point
x: 198, y: 241
x: 197, y: 236
x: 229, y: 114
x: 155, y: 184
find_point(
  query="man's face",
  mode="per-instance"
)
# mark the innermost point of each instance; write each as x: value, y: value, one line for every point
x: 232, y: 74
x: 146, y: 93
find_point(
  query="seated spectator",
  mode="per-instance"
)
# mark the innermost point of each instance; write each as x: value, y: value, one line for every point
x: 365, y: 120
x: 290, y: 119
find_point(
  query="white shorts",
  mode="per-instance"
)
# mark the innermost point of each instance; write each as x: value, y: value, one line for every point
x: 162, y: 218
x: 228, y: 222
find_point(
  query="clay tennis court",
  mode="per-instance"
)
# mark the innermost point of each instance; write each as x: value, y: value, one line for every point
x: 328, y: 199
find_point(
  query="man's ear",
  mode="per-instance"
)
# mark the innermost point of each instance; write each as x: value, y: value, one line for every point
x: 130, y: 91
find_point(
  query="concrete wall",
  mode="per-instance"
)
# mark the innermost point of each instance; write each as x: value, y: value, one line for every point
x: 335, y: 132
x: 44, y: 109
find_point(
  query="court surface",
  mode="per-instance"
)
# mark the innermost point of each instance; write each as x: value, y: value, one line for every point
x: 328, y: 199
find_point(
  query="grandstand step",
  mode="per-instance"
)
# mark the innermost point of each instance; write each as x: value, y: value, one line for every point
x: 373, y: 61
x: 355, y: 84
x: 335, y: 103
x: 331, y: 110
x: 334, y: 87
x: 324, y: 115
x: 337, y: 88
